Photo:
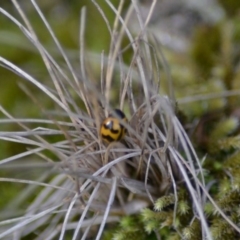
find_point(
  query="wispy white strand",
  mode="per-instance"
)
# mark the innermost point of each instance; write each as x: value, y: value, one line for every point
x: 86, y: 208
x: 35, y: 82
x: 73, y: 201
x: 15, y: 180
x: 196, y: 199
x: 27, y: 221
x: 20, y: 155
x: 110, y: 201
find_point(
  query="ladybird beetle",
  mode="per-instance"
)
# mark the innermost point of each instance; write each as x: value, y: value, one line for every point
x: 111, y: 129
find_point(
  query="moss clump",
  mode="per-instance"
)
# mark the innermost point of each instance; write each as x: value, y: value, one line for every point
x: 205, y: 56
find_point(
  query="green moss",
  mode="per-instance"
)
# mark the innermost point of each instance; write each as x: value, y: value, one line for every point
x: 231, y: 7
x: 205, y: 50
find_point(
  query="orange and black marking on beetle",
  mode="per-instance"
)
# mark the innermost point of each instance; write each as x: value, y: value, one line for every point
x: 111, y: 129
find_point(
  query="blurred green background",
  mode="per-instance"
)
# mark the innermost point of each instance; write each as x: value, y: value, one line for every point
x: 208, y: 63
